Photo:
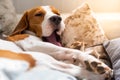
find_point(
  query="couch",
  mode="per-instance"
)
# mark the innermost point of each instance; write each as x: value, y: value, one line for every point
x: 110, y: 23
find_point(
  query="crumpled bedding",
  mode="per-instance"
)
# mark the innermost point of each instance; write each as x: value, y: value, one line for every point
x: 37, y: 73
x: 113, y: 50
x: 44, y: 74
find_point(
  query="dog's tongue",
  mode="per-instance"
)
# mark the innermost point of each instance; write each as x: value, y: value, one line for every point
x: 52, y: 39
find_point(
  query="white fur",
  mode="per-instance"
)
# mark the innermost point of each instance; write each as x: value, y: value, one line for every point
x: 44, y: 54
x: 34, y: 46
x: 33, y: 43
x: 48, y: 61
x: 16, y: 67
x: 47, y: 28
x: 7, y: 45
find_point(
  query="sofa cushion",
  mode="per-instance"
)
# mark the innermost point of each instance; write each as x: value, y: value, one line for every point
x: 8, y: 18
x: 113, y: 49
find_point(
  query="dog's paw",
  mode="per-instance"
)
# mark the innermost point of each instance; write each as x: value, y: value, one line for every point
x: 99, y: 67
x: 95, y: 65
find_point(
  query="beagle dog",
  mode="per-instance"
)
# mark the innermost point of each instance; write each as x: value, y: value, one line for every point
x: 38, y: 35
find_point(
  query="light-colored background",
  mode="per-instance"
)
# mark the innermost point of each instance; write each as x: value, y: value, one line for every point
x: 107, y: 11
x: 69, y: 5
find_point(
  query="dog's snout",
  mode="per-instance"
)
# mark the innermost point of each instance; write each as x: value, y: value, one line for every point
x: 56, y: 19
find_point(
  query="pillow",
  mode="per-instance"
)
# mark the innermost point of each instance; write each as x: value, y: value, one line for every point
x: 83, y: 32
x: 112, y: 48
x: 8, y: 17
x: 82, y: 26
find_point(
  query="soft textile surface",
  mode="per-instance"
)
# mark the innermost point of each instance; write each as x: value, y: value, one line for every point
x: 8, y: 16
x: 37, y: 73
x: 113, y: 49
x: 42, y: 73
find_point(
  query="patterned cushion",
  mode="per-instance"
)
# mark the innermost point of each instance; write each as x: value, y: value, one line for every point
x: 82, y: 26
x: 113, y: 49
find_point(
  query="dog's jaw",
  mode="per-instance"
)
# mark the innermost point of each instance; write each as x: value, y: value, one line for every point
x: 47, y: 27
x: 51, y: 32
x: 53, y: 38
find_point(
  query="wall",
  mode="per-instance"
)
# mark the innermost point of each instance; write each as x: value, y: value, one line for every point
x: 108, y: 11
x: 69, y: 5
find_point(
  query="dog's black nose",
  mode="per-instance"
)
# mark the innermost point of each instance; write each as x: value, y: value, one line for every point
x: 56, y: 19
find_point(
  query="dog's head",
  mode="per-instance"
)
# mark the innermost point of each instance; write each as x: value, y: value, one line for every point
x: 43, y: 21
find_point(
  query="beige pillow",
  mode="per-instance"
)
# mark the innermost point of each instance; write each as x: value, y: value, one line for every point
x: 83, y: 32
x: 82, y: 26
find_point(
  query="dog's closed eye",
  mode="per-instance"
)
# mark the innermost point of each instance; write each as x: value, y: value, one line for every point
x: 39, y: 14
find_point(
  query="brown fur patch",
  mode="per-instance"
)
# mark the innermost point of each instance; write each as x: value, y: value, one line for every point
x: 54, y: 10
x: 17, y: 37
x: 31, y: 20
x: 18, y: 56
x: 88, y: 66
x: 35, y: 17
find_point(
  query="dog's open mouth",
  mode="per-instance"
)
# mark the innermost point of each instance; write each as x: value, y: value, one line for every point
x: 53, y: 38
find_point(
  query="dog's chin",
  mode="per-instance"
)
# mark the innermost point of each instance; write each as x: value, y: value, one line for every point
x: 54, y: 38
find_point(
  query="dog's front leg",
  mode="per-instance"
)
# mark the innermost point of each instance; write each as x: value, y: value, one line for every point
x: 33, y: 43
x: 38, y: 46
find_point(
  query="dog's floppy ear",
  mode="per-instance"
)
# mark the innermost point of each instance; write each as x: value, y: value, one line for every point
x: 22, y: 25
